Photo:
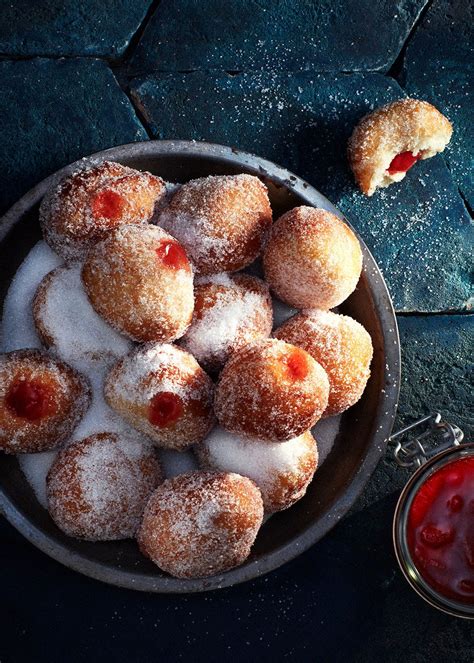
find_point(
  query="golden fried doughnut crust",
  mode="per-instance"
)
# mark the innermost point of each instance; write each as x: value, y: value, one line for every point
x: 220, y: 220
x: 343, y: 348
x: 41, y: 401
x: 82, y: 208
x: 201, y: 523
x: 406, y: 125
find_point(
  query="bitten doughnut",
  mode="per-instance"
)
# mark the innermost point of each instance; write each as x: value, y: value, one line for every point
x: 281, y: 470
x: 139, y: 279
x: 163, y: 392
x: 343, y: 348
x: 82, y: 208
x: 41, y: 401
x: 202, y: 523
x: 220, y: 220
x: 272, y: 391
x: 389, y: 141
x: 68, y: 325
x: 312, y: 259
x: 230, y: 311
x: 97, y: 488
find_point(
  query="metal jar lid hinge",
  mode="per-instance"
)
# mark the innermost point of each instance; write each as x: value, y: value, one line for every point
x: 411, y: 451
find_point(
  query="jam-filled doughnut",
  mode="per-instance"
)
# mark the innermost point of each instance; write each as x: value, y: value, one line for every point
x: 82, y: 208
x: 202, y: 523
x: 272, y: 391
x: 139, y: 279
x: 281, y: 470
x: 68, y: 325
x: 343, y: 348
x: 230, y: 311
x: 41, y: 401
x: 163, y: 392
x: 389, y: 141
x: 312, y: 259
x: 97, y: 488
x: 220, y: 220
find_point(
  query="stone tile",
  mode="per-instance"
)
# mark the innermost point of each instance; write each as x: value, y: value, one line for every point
x: 419, y: 230
x: 282, y: 35
x: 69, y: 27
x: 439, y: 67
x: 437, y: 376
x: 437, y: 368
x: 54, y: 112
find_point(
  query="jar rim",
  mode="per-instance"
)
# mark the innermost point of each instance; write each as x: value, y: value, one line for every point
x: 399, y: 533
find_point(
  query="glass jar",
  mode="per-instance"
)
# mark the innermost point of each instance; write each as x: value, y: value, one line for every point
x: 421, y: 571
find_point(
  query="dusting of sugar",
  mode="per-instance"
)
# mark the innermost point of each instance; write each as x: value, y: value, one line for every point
x: 282, y: 470
x: 220, y: 220
x: 233, y: 313
x: 18, y: 328
x: 158, y: 368
x: 97, y: 488
x: 79, y: 335
x: 325, y: 432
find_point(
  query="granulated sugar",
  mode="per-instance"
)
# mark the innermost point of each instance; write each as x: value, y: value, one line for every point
x: 73, y: 329
x: 17, y: 327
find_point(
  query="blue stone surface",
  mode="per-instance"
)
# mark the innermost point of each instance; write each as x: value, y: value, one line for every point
x: 276, y: 35
x: 54, y: 112
x: 69, y: 27
x: 437, y: 376
x: 438, y: 368
x: 418, y: 230
x: 439, y: 67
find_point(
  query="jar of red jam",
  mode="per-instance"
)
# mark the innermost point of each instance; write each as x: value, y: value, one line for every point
x: 433, y: 527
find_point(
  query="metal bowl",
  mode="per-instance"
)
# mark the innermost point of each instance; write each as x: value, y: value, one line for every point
x: 364, y: 429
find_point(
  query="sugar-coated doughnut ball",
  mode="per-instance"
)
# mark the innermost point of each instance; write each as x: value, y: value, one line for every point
x: 272, y: 391
x: 202, y: 523
x: 230, y: 311
x: 343, y: 348
x: 82, y: 208
x: 312, y: 259
x: 139, y: 279
x: 41, y: 401
x: 97, y: 488
x: 163, y: 392
x: 220, y: 220
x: 282, y: 470
x: 387, y: 142
x: 68, y: 325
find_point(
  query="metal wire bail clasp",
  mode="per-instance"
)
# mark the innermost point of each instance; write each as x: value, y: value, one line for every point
x: 412, y: 452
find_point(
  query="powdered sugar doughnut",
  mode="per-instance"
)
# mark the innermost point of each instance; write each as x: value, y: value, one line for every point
x: 199, y: 524
x: 220, y: 220
x: 139, y: 279
x: 163, y: 392
x: 41, y: 401
x: 312, y: 259
x: 97, y: 487
x: 82, y: 208
x: 343, y: 348
x: 389, y: 141
x: 272, y: 391
x: 229, y: 312
x: 67, y: 323
x: 281, y: 470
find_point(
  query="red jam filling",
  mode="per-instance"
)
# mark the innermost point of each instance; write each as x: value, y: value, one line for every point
x: 403, y: 162
x: 296, y: 364
x: 441, y: 530
x: 165, y: 408
x: 108, y: 205
x: 29, y: 399
x: 173, y: 255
